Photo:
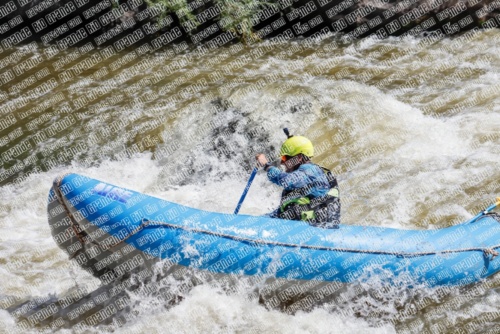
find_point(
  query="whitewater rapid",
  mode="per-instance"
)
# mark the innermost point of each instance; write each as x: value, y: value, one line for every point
x: 406, y: 151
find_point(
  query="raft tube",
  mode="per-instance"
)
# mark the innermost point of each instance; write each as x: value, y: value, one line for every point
x: 113, y: 232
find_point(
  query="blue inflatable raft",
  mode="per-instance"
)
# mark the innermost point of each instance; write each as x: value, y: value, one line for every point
x: 113, y: 232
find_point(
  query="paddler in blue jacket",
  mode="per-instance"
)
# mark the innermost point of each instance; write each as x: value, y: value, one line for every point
x: 310, y: 191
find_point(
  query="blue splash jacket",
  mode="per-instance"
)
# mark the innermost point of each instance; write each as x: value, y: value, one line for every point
x: 308, y: 180
x: 308, y: 174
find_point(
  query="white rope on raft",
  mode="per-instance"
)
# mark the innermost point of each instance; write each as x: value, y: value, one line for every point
x: 146, y: 222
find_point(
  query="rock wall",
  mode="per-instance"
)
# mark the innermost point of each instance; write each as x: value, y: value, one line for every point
x: 129, y: 23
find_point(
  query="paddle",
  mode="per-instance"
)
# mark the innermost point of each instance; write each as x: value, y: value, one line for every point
x: 249, y: 183
x: 488, y: 209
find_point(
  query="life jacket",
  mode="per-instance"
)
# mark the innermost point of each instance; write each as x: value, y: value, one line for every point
x: 323, y: 211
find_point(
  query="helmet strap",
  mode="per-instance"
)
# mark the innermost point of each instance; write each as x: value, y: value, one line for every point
x: 294, y: 162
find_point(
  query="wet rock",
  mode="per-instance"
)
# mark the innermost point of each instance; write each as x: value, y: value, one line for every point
x: 76, y: 22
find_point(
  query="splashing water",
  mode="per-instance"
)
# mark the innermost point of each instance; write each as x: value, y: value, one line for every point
x: 406, y: 152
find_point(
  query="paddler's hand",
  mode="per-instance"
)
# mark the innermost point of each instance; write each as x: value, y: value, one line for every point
x: 261, y: 160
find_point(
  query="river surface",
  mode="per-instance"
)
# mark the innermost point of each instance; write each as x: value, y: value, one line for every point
x: 410, y: 127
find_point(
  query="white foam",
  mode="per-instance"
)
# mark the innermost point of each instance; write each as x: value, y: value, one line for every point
x: 401, y: 166
x: 234, y: 313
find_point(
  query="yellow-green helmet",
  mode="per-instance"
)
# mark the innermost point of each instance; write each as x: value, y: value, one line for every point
x: 295, y: 145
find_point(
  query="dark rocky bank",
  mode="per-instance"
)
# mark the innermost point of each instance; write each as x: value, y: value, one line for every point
x: 133, y: 23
